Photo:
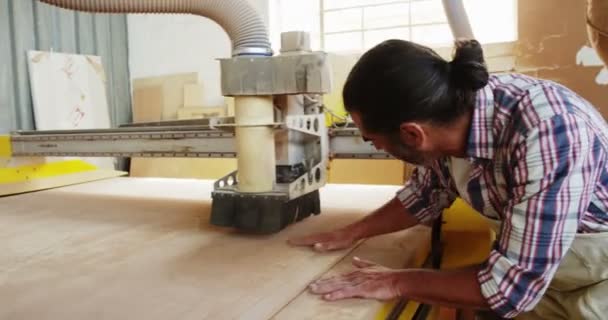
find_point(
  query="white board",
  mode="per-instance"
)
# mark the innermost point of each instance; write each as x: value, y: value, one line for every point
x: 69, y: 92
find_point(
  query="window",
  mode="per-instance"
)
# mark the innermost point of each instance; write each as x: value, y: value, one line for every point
x: 357, y: 25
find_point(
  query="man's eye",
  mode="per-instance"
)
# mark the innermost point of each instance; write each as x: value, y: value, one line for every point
x: 366, y: 139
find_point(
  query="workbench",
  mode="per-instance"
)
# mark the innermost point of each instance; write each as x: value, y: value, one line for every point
x: 142, y: 248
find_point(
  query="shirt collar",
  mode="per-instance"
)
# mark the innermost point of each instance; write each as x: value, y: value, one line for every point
x: 480, y: 142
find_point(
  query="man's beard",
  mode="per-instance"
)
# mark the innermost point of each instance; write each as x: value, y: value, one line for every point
x: 408, y: 154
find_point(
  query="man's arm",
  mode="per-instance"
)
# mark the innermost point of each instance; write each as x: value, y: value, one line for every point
x: 551, y: 186
x: 458, y: 288
x: 389, y: 218
x: 452, y: 288
x: 418, y: 201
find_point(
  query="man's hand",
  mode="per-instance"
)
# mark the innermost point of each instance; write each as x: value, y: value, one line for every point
x: 327, y: 241
x: 389, y: 218
x: 454, y: 288
x: 369, y: 281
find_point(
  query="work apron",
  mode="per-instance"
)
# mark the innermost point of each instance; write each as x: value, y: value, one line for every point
x: 579, y: 289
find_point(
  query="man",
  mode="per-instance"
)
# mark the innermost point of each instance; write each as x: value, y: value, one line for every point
x: 528, y: 154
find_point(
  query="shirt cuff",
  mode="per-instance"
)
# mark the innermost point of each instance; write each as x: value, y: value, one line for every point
x: 489, y: 278
x: 417, y: 205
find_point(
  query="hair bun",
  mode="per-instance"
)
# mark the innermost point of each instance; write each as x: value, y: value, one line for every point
x: 468, y: 69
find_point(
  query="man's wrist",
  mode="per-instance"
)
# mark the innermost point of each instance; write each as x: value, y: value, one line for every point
x: 403, y: 281
x: 356, y: 231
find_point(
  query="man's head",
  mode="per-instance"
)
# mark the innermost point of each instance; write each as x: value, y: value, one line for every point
x: 404, y: 97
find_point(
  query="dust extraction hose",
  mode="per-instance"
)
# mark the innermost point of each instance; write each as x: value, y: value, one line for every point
x: 244, y: 26
x: 458, y: 19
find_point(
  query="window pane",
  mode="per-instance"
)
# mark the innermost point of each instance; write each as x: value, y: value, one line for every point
x: 373, y: 37
x: 429, y: 11
x: 342, y: 20
x: 337, y: 42
x: 386, y: 16
x: 294, y: 15
x: 336, y: 4
x: 299, y: 15
x: 433, y: 35
x: 492, y: 20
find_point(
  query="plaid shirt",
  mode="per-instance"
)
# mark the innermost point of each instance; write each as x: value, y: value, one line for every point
x: 538, y: 157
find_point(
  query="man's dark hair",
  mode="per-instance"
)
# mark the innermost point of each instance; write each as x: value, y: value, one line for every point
x: 399, y: 81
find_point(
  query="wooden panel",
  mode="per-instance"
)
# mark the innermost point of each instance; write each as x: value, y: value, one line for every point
x: 148, y: 104
x: 162, y: 98
x: 69, y: 93
x: 172, y: 87
x: 182, y: 167
x: 366, y: 171
x: 397, y: 250
x: 200, y: 112
x: 193, y: 95
x: 57, y: 181
x: 33, y: 25
x: 131, y: 248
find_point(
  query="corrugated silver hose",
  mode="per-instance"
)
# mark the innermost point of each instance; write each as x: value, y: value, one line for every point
x: 458, y: 19
x: 244, y: 26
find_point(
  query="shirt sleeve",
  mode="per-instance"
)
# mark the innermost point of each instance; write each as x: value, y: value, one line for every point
x: 551, y: 180
x: 424, y: 196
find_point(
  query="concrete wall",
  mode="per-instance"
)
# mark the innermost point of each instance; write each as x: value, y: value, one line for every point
x: 164, y: 44
x: 553, y: 44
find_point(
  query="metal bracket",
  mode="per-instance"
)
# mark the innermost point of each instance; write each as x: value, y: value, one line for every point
x: 228, y: 180
x: 309, y: 124
x: 312, y: 180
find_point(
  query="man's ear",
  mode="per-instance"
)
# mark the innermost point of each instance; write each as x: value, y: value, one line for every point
x: 412, y: 134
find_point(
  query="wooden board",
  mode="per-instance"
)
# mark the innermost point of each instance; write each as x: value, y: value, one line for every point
x: 366, y: 171
x: 132, y: 248
x: 182, y: 167
x: 69, y: 92
x: 148, y: 104
x: 163, y: 98
x: 397, y: 250
x: 171, y: 91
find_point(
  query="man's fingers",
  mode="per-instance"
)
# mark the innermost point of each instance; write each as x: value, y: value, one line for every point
x: 329, y: 286
x: 345, y: 276
x: 345, y: 293
x: 330, y: 245
x: 361, y: 263
x: 308, y: 240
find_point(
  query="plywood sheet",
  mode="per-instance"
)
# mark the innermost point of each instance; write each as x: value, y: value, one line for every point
x: 182, y: 167
x: 57, y: 181
x: 162, y: 98
x: 358, y: 171
x: 171, y: 89
x: 193, y: 95
x: 69, y: 92
x: 200, y: 112
x: 148, y: 104
x: 129, y: 248
x: 398, y: 250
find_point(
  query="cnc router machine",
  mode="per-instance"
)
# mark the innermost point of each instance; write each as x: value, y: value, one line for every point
x: 278, y: 134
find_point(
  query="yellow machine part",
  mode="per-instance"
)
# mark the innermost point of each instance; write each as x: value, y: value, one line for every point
x: 5, y: 146
x: 43, y: 170
x: 467, y: 239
